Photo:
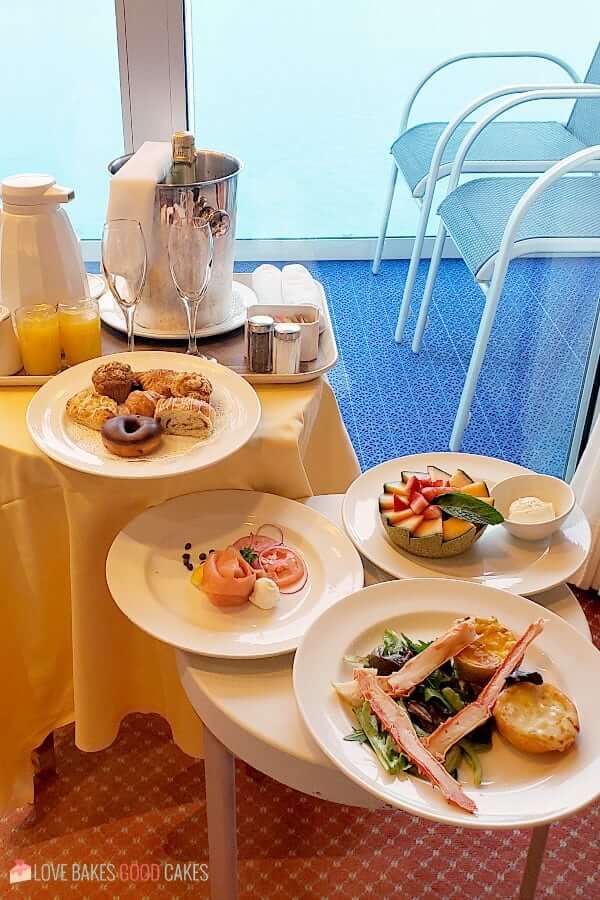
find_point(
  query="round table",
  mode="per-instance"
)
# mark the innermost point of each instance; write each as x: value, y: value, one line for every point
x: 249, y: 711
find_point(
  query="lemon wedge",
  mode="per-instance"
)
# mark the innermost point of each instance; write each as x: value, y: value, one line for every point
x: 197, y: 575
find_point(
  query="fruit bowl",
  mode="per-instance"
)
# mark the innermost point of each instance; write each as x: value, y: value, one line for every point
x: 419, y: 522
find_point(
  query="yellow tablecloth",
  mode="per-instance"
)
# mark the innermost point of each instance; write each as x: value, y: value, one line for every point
x: 66, y: 651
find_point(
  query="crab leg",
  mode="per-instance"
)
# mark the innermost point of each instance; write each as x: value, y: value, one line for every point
x: 396, y: 721
x: 469, y: 717
x: 417, y: 669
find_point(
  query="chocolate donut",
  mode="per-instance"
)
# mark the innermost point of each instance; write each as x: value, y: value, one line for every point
x: 131, y: 435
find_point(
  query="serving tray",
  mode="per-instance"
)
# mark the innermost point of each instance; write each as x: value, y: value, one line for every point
x: 228, y: 349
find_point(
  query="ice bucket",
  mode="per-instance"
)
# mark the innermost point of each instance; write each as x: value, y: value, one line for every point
x: 215, y: 188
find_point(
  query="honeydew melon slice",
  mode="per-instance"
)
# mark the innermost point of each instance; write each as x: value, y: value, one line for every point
x: 476, y: 489
x: 460, y: 480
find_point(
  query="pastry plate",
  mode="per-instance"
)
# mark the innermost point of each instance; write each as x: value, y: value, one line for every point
x: 519, y: 790
x: 152, y: 587
x: 236, y: 404
x: 497, y: 559
x: 243, y: 297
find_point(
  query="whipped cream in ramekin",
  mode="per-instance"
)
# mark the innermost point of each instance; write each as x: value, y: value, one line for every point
x: 530, y: 510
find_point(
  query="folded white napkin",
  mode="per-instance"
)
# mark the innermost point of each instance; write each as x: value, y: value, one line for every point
x: 132, y: 189
x: 266, y: 284
x: 298, y: 286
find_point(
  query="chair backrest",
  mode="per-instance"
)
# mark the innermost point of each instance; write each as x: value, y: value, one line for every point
x: 584, y: 121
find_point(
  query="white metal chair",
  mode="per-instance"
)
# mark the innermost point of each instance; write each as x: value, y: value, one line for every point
x: 424, y: 153
x: 495, y: 220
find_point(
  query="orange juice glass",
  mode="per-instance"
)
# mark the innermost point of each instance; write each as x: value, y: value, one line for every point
x: 39, y: 338
x: 79, y: 330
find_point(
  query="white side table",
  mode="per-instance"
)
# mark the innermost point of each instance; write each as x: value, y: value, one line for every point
x: 249, y: 710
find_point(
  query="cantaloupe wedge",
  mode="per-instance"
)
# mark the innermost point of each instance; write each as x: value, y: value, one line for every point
x: 460, y: 479
x: 477, y: 489
x: 456, y: 528
x: 394, y: 518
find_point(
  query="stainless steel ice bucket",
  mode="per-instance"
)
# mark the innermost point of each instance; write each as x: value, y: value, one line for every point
x: 215, y: 188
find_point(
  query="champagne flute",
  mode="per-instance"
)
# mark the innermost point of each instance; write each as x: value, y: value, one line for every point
x: 191, y: 248
x: 124, y: 263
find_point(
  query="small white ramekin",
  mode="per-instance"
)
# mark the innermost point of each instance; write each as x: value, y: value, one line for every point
x: 545, y: 487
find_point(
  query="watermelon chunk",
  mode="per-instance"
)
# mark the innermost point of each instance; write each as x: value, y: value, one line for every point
x: 432, y: 512
x: 418, y: 503
x: 400, y: 503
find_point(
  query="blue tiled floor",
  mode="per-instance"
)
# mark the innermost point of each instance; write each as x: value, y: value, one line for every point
x: 395, y: 402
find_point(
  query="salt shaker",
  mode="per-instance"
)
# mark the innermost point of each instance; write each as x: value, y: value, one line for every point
x: 260, y: 344
x: 10, y: 354
x: 286, y: 348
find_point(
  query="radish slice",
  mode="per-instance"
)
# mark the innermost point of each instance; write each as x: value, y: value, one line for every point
x: 286, y: 567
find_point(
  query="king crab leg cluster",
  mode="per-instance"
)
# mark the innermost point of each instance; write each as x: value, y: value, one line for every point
x: 396, y: 721
x: 469, y: 717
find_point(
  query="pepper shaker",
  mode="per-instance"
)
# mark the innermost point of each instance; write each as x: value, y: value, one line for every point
x: 259, y: 348
x: 286, y: 348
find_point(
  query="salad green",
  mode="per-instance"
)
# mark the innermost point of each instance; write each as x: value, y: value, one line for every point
x: 433, y: 701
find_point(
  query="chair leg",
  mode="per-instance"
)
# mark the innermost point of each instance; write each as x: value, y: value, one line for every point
x: 411, y: 276
x: 434, y: 265
x: 483, y: 335
x: 385, y: 219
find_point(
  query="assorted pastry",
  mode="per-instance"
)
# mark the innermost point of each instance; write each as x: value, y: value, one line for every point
x: 425, y: 708
x: 435, y: 514
x: 132, y: 410
x: 257, y: 568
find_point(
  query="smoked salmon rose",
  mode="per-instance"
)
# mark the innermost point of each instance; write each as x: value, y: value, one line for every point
x: 228, y: 580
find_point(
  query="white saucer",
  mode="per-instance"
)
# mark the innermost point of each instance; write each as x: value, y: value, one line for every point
x: 243, y: 297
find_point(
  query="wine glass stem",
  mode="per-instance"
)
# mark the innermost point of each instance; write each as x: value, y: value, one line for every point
x: 191, y: 310
x: 129, y: 313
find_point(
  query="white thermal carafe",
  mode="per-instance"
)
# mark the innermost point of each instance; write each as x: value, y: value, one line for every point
x: 40, y: 258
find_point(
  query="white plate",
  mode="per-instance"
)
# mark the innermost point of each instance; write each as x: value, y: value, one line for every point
x: 237, y: 405
x: 496, y: 559
x: 149, y: 583
x: 243, y: 297
x: 519, y: 790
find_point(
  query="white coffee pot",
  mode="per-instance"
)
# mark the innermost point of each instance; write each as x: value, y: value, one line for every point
x: 40, y: 257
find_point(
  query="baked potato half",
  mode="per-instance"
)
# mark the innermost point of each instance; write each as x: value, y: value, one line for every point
x: 536, y: 718
x: 479, y: 660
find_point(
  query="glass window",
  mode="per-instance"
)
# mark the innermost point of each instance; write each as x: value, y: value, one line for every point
x: 310, y: 95
x: 61, y: 106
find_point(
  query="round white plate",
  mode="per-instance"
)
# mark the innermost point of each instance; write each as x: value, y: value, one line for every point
x: 496, y: 559
x: 518, y: 790
x: 150, y: 584
x: 236, y: 402
x: 243, y: 297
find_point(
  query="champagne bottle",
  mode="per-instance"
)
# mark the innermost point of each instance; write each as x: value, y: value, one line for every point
x: 183, y: 166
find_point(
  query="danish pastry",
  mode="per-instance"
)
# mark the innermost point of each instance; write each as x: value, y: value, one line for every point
x: 185, y: 416
x: 91, y: 409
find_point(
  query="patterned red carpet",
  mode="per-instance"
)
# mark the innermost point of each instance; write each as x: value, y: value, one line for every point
x: 139, y: 804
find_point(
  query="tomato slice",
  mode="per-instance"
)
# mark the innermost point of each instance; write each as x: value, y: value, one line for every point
x: 283, y: 565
